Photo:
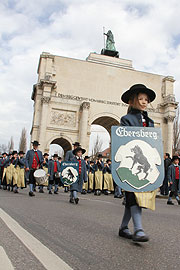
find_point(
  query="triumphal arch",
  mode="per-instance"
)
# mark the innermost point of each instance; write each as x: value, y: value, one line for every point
x: 71, y: 95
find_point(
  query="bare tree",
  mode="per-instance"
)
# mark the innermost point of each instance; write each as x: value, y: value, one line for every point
x: 97, y: 146
x: 11, y: 145
x: 23, y: 141
x: 3, y: 148
x: 176, y: 132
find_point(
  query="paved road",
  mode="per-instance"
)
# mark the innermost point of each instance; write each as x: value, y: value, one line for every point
x: 85, y: 236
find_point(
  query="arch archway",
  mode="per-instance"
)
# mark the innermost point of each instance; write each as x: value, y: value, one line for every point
x: 106, y: 121
x: 101, y: 130
x: 64, y: 143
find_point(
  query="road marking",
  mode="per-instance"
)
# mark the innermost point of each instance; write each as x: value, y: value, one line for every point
x: 48, y: 259
x: 5, y: 261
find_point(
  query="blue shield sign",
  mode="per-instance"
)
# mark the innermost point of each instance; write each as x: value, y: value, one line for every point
x: 137, y: 158
x: 69, y: 172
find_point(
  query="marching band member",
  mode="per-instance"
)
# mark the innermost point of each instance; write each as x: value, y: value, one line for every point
x: 85, y: 185
x: 138, y: 97
x: 77, y: 186
x: 91, y: 176
x: 34, y: 160
x: 8, y: 173
x: 14, y: 171
x: 2, y: 165
x: 45, y: 168
x: 54, y: 169
x: 20, y: 167
x: 108, y: 181
x: 99, y: 166
x: 173, y: 176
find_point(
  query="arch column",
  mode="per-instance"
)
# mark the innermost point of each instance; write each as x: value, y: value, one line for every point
x: 44, y: 115
x: 169, y: 141
x: 83, y: 139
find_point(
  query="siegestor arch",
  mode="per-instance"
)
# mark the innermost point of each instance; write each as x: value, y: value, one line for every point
x: 105, y: 120
x: 64, y: 142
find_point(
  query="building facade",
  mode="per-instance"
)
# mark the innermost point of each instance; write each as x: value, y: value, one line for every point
x: 71, y: 95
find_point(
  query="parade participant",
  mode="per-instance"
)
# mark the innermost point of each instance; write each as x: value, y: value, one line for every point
x: 54, y: 169
x: 8, y: 173
x: 45, y: 168
x: 108, y: 181
x: 167, y: 162
x: 91, y: 176
x: 138, y: 97
x: 173, y: 176
x: 82, y: 177
x: 14, y: 171
x: 68, y: 157
x: 85, y: 185
x: 34, y: 160
x: 20, y: 167
x: 99, y: 166
x: 2, y: 164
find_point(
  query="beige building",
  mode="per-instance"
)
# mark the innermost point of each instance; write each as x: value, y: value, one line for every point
x: 72, y: 94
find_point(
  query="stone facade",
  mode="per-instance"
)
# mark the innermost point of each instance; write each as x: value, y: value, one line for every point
x: 72, y: 94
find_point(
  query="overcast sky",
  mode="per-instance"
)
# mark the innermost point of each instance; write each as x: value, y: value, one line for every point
x: 145, y: 31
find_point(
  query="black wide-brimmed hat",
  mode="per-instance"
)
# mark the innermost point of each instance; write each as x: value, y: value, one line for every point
x: 138, y: 88
x: 21, y: 153
x: 86, y: 157
x: 4, y: 154
x: 174, y: 158
x: 108, y: 160
x: 55, y: 155
x: 100, y: 156
x: 35, y: 143
x: 78, y: 149
x: 45, y: 154
x: 77, y: 144
x: 14, y: 152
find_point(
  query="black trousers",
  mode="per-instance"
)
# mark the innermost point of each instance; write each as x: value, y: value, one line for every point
x: 130, y: 199
x: 175, y: 192
x: 55, y: 180
x: 32, y: 180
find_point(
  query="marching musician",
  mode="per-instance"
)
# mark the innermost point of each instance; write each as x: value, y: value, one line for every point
x: 8, y: 173
x: 77, y: 186
x: 54, y: 169
x: 34, y: 160
x: 108, y: 181
x: 2, y: 165
x: 45, y: 168
x: 91, y: 176
x: 19, y: 165
x: 85, y: 185
x: 99, y: 166
x: 138, y: 97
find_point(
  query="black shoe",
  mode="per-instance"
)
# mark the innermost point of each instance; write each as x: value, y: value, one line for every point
x: 170, y: 202
x: 76, y: 200
x: 12, y: 189
x: 95, y: 193
x: 124, y: 234
x: 66, y: 189
x: 137, y: 238
x: 34, y: 189
x: 4, y: 187
x: 106, y: 192
x: 99, y: 192
x: 179, y: 202
x: 50, y: 192
x: 55, y: 192
x: 71, y: 200
x: 8, y: 188
x: 41, y: 191
x: 83, y: 191
x: 89, y: 191
x: 16, y: 191
x: 31, y: 194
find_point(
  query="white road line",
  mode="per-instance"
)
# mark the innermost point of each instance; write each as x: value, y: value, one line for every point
x: 48, y: 259
x: 5, y: 262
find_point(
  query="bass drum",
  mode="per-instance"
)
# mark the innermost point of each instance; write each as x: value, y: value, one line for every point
x: 40, y: 176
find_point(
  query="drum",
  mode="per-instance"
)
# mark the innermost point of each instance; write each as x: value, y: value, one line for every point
x: 40, y: 176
